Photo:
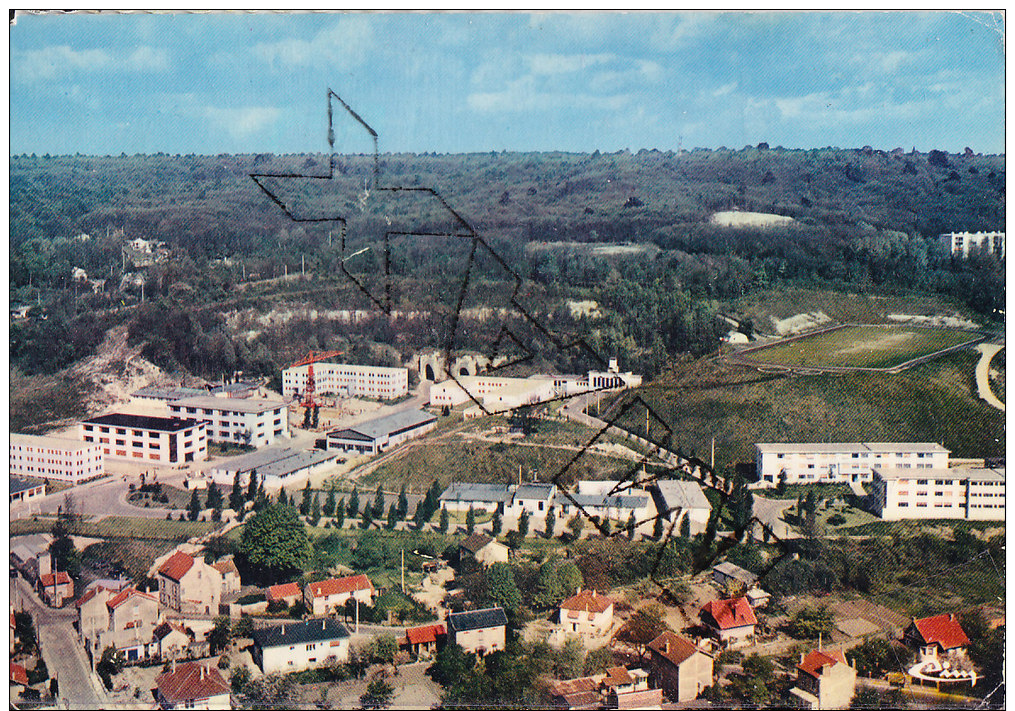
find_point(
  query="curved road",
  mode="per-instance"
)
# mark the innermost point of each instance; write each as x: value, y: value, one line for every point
x: 987, y: 353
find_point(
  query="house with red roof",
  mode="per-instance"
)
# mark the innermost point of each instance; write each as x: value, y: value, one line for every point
x: 189, y: 585
x: 936, y: 636
x: 587, y: 614
x: 192, y: 686
x: 56, y: 588
x: 230, y: 575
x: 123, y: 619
x: 172, y: 639
x: 422, y: 642
x: 730, y: 621
x: 825, y: 680
x: 287, y: 593
x: 679, y: 667
x: 19, y: 675
x: 330, y: 596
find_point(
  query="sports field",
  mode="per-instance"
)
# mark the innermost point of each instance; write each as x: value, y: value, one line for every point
x: 860, y: 347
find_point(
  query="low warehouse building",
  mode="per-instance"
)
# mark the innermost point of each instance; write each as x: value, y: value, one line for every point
x: 275, y: 467
x: 375, y: 436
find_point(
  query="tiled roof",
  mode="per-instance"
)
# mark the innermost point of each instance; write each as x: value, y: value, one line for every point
x: 226, y: 566
x: 735, y: 612
x: 338, y: 586
x: 944, y: 630
x: 191, y: 682
x: 177, y: 566
x: 617, y: 676
x: 672, y: 647
x: 48, y: 580
x: 19, y: 675
x: 89, y: 594
x: 300, y: 633
x: 425, y: 635
x: 280, y: 592
x: 475, y: 543
x: 574, y: 686
x: 583, y: 700
x: 813, y: 662
x: 642, y: 699
x: 477, y: 619
x: 163, y: 630
x: 587, y: 601
x: 124, y: 595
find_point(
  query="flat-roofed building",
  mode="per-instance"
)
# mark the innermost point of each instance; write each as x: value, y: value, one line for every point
x: 55, y: 458
x: 677, y: 499
x: 971, y: 494
x: 143, y: 438
x: 495, y: 393
x: 375, y: 436
x: 536, y: 498
x: 840, y: 462
x: 348, y: 380
x: 461, y: 496
x: 275, y: 467
x: 617, y: 507
x: 961, y: 243
x: 238, y: 420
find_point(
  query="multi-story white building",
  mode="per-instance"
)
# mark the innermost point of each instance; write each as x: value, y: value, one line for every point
x: 972, y: 494
x: 960, y: 243
x: 252, y: 421
x: 292, y: 647
x: 161, y: 440
x: 841, y: 462
x: 496, y: 394
x: 348, y: 380
x: 55, y: 458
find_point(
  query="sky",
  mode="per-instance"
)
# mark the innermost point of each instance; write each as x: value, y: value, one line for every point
x: 467, y: 82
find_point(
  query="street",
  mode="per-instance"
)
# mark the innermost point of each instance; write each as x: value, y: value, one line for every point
x: 61, y: 650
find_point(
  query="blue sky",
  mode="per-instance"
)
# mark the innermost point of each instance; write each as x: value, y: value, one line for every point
x: 245, y: 83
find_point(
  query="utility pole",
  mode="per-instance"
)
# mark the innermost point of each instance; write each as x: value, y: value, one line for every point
x: 712, y: 461
x: 303, y: 264
x: 357, y: 613
x: 403, y: 570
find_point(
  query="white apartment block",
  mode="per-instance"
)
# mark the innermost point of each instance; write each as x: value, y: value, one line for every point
x: 55, y: 458
x: 137, y: 438
x: 960, y: 243
x: 496, y: 394
x: 348, y: 380
x: 252, y: 421
x: 970, y: 494
x: 834, y: 463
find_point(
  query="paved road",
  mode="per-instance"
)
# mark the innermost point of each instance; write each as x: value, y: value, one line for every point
x: 100, y: 498
x: 64, y: 656
x: 926, y: 696
x: 769, y: 512
x: 987, y: 352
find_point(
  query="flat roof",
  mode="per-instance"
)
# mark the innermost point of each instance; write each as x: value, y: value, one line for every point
x: 168, y: 393
x: 677, y: 493
x: 385, y: 426
x: 142, y: 422
x: 375, y: 368
x: 833, y: 447
x: 275, y: 462
x: 65, y: 443
x: 954, y: 473
x: 235, y: 404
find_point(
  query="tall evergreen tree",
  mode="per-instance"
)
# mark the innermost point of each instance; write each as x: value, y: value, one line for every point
x: 379, y: 502
x: 252, y: 486
x: 283, y: 498
x: 214, y: 500
x: 236, y: 495
x: 392, y: 518
x: 632, y: 522
x: 315, y: 510
x: 523, y: 523
x: 470, y: 521
x: 497, y: 524
x: 403, y: 504
x: 445, y: 521
x: 353, y: 508
x: 368, y: 516
x: 307, y: 498
x: 194, y: 508
x: 551, y: 522
x: 340, y: 514
x: 329, y: 503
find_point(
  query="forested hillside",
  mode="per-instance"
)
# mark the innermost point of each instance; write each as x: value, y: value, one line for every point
x: 864, y: 220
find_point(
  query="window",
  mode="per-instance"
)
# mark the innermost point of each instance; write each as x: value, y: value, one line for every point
x: 921, y: 481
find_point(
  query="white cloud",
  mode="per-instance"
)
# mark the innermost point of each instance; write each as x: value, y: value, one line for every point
x: 346, y: 43
x: 725, y: 89
x: 60, y: 60
x: 523, y: 95
x: 565, y: 63
x: 242, y: 122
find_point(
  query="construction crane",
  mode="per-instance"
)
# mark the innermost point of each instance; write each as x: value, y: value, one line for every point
x: 308, y: 360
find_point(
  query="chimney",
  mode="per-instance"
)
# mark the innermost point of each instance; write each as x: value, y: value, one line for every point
x: 801, y: 657
x: 666, y: 647
x: 202, y: 672
x: 951, y: 616
x: 283, y: 629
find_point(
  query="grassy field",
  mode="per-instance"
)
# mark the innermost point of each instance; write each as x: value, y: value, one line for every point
x: 121, y: 527
x: 861, y: 347
x: 932, y: 402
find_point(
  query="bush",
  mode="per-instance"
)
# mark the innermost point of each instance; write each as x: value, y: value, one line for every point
x: 39, y: 674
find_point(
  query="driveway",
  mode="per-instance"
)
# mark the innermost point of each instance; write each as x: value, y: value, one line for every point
x: 769, y: 512
x: 100, y: 498
x: 987, y: 352
x: 64, y: 656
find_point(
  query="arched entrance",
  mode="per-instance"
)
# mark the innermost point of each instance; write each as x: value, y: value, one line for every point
x: 429, y: 372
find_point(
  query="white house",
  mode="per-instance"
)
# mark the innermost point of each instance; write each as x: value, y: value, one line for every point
x: 730, y: 621
x: 255, y: 421
x: 461, y: 496
x: 329, y: 596
x: 961, y: 243
x: 189, y: 585
x: 971, y: 494
x: 275, y: 467
x: 348, y: 380
x: 586, y: 614
x: 496, y: 394
x: 293, y: 647
x: 677, y: 499
x: 536, y: 498
x: 478, y: 631
x: 148, y: 440
x: 841, y: 462
x: 68, y: 460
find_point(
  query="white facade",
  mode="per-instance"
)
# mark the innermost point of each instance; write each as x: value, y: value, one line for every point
x: 55, y: 458
x: 140, y: 438
x: 348, y: 380
x: 960, y: 243
x: 833, y: 463
x: 377, y: 435
x: 304, y: 645
x: 275, y: 467
x: 496, y: 394
x: 239, y: 420
x: 971, y: 494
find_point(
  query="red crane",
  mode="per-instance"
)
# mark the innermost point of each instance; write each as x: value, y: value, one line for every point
x: 309, y: 359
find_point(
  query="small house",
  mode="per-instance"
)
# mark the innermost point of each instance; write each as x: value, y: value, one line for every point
x: 824, y: 680
x: 730, y: 621
x: 478, y: 631
x: 287, y: 593
x: 303, y: 645
x: 56, y: 588
x: 679, y: 667
x: 329, y: 596
x: 422, y: 642
x: 483, y: 549
x: 936, y: 636
x: 587, y: 613
x: 192, y: 686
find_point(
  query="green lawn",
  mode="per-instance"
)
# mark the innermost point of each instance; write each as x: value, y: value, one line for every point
x: 121, y: 527
x: 861, y: 347
x: 738, y: 406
